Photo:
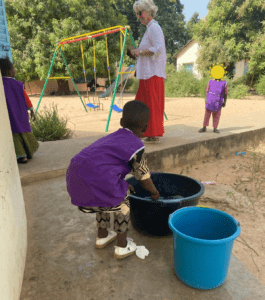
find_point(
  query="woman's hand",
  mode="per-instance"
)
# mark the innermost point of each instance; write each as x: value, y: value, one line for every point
x: 155, y: 196
x: 32, y: 115
x: 131, y: 188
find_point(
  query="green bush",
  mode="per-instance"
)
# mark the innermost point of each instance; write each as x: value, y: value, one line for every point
x: 181, y: 84
x: 203, y: 85
x: 132, y: 85
x: 260, y: 87
x: 240, y: 80
x: 49, y: 127
x: 238, y: 91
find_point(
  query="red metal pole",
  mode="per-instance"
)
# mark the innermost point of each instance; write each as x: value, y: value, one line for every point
x: 92, y: 36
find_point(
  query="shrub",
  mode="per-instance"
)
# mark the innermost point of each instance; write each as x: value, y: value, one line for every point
x: 49, y: 127
x: 260, y: 87
x: 203, y: 85
x: 238, y: 91
x: 181, y: 84
x: 132, y: 85
x: 240, y: 80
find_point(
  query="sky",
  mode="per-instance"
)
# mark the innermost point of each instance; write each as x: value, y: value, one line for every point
x: 192, y: 6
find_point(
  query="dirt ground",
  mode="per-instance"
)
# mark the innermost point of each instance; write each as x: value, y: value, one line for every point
x: 178, y: 110
x: 244, y: 178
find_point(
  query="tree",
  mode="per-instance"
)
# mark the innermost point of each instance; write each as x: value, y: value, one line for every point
x: 257, y: 53
x: 36, y: 27
x: 125, y: 7
x: 169, y: 16
x: 193, y: 20
x: 171, y: 19
x: 228, y: 32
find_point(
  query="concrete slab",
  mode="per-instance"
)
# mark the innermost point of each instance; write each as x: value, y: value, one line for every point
x: 62, y: 262
x: 181, y: 144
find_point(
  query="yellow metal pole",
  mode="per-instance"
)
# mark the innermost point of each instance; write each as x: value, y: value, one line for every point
x: 95, y: 70
x: 108, y: 66
x: 121, y: 42
x: 84, y: 71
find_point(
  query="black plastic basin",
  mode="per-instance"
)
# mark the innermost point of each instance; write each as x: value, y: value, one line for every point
x: 151, y: 216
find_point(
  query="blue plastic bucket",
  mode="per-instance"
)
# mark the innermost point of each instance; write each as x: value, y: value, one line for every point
x: 203, y: 240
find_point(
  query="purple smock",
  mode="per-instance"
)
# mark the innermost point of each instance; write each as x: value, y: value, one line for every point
x: 215, y: 97
x: 95, y: 176
x: 16, y: 105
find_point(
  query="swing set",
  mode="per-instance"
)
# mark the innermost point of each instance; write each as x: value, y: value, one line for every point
x: 124, y: 31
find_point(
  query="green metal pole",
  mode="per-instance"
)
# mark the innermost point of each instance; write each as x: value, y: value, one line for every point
x: 49, y: 73
x: 72, y: 79
x: 117, y: 80
x: 131, y: 37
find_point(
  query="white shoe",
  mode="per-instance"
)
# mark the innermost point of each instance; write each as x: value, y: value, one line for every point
x: 101, y: 243
x: 127, y: 251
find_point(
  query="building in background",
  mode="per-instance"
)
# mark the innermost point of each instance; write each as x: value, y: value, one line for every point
x: 187, y: 57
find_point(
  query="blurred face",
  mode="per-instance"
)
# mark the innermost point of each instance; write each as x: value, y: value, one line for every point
x: 144, y: 17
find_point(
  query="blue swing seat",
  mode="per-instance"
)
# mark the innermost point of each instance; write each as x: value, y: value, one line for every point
x: 116, y: 108
x: 92, y: 105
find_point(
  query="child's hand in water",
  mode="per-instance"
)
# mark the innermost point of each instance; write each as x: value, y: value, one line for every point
x: 155, y: 196
x: 131, y: 188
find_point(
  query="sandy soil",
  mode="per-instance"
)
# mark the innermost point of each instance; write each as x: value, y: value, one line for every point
x: 178, y: 110
x: 245, y: 176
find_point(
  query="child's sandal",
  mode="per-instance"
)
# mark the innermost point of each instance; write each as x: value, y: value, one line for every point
x: 127, y: 251
x: 202, y: 130
x: 102, y: 243
x: 22, y: 160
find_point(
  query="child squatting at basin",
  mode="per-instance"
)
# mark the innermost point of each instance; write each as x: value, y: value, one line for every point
x: 95, y: 177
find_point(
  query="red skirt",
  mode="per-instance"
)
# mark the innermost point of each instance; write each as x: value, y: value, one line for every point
x: 152, y: 93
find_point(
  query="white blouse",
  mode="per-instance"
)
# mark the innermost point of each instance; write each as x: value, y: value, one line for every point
x: 154, y: 41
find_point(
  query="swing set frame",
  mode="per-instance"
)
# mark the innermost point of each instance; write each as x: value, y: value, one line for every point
x: 125, y: 30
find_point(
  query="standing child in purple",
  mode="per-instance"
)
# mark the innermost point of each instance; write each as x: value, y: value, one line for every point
x: 18, y: 104
x: 215, y: 99
x: 95, y: 177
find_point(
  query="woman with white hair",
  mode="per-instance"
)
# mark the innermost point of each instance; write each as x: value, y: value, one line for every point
x: 151, y: 68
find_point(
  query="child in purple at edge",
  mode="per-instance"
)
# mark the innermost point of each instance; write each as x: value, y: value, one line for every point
x: 95, y: 177
x: 215, y: 99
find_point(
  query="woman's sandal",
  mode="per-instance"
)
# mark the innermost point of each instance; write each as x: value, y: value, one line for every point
x: 152, y: 139
x: 22, y: 160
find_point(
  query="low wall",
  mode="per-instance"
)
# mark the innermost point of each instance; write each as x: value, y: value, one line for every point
x: 167, y: 158
x: 36, y: 87
x: 170, y: 158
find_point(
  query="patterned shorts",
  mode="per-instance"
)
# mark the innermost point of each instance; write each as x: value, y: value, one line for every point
x: 121, y: 216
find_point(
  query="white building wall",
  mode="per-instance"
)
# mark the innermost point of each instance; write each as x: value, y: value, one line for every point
x: 188, y: 57
x: 13, y: 222
x: 240, y: 67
